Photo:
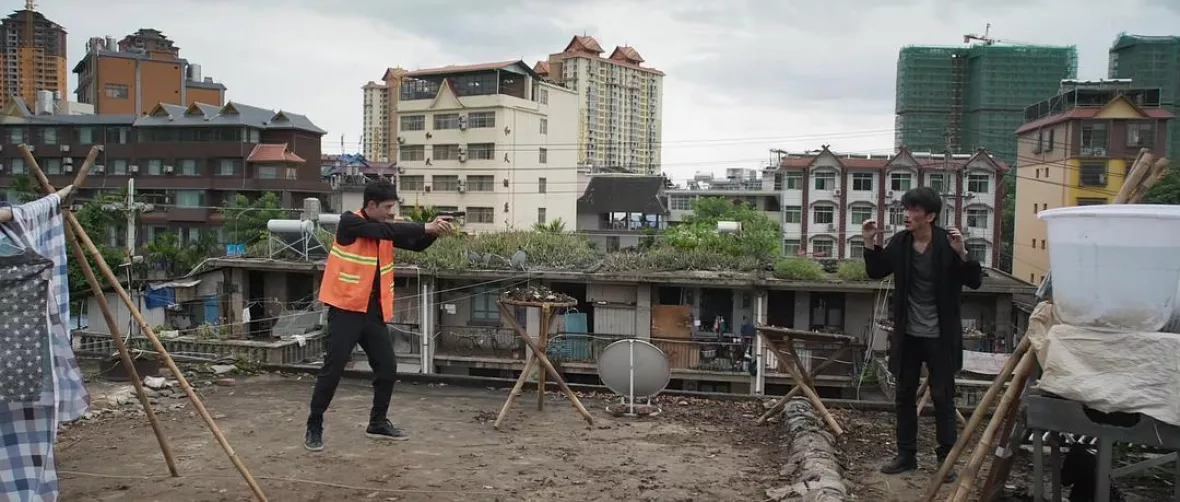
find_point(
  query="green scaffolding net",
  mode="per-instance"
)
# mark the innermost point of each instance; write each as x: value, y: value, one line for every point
x: 1151, y: 61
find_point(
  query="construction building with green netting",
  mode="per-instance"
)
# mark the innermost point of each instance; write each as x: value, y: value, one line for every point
x: 961, y: 99
x: 1151, y: 61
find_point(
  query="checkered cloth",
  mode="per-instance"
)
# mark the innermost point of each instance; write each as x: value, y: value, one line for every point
x: 29, y: 430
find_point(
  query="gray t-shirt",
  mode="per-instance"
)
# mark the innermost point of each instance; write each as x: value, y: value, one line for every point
x: 922, y: 316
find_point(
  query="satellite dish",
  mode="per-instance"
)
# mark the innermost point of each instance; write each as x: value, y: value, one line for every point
x: 634, y: 369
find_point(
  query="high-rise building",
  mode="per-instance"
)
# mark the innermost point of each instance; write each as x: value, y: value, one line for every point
x: 1076, y: 149
x: 143, y: 69
x: 32, y: 56
x: 964, y: 98
x: 375, y: 137
x: 619, y: 101
x: 1151, y: 62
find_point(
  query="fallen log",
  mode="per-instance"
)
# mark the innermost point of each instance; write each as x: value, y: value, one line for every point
x: 812, y: 467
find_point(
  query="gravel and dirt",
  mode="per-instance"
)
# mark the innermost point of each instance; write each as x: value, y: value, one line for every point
x: 695, y: 450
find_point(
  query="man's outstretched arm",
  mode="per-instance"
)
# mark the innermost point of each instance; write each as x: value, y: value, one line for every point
x: 410, y: 236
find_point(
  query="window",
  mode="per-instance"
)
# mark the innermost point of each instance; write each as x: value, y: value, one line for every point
x: 412, y: 183
x: 481, y: 119
x: 680, y: 202
x: 116, y: 91
x: 822, y: 247
x: 18, y: 166
x: 977, y: 251
x: 415, y: 153
x: 445, y: 183
x: 119, y: 135
x: 1093, y: 173
x: 446, y: 121
x: 268, y: 172
x: 897, y: 216
x: 544, y: 126
x: 1141, y: 134
x: 1091, y: 201
x: 484, y: 306
x: 413, y: 123
x: 861, y: 214
x: 1094, y: 139
x: 16, y: 135
x: 856, y: 247
x: 49, y: 135
x: 190, y: 198
x: 543, y: 96
x: 481, y: 183
x: 542, y: 185
x: 445, y: 152
x: 541, y: 215
x: 543, y: 156
x: 937, y: 182
x: 979, y: 183
x: 229, y: 167
x: 188, y: 167
x: 52, y: 165
x: 825, y: 181
x: 862, y: 182
x: 824, y: 215
x: 155, y: 167
x: 481, y: 214
x: 481, y: 151
x: 118, y: 167
x: 977, y: 218
x: 794, y: 214
x: 791, y: 247
x: 900, y: 182
x: 793, y: 181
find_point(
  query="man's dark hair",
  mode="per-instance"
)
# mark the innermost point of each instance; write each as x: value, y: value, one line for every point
x: 379, y: 191
x: 924, y: 198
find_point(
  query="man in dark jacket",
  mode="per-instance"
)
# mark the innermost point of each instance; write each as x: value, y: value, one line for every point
x: 930, y: 266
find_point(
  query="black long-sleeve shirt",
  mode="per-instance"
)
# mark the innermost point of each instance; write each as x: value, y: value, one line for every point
x: 405, y: 235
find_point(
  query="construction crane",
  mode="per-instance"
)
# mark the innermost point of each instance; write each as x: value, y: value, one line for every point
x: 987, y: 39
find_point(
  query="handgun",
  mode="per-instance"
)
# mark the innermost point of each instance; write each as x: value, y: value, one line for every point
x: 452, y: 215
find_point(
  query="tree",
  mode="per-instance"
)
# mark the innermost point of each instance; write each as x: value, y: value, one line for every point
x: 99, y: 224
x: 24, y: 188
x: 758, y: 238
x: 245, y: 220
x: 556, y: 226
x: 1166, y: 190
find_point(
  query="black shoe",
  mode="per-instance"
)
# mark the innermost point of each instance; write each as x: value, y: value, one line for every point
x: 314, y: 439
x: 385, y: 431
x: 951, y: 476
x: 900, y: 464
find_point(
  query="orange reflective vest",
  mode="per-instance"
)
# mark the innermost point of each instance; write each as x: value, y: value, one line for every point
x: 349, y: 274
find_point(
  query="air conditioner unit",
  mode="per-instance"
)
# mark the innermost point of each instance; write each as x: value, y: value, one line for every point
x: 69, y: 168
x: 401, y: 140
x: 462, y: 122
x: 836, y: 192
x: 426, y: 189
x: 169, y: 169
x: 67, y: 160
x: 65, y: 148
x: 462, y: 156
x: 100, y: 168
x: 462, y: 189
x: 889, y: 194
x: 831, y: 227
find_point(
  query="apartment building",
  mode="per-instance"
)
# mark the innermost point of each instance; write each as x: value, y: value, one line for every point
x: 32, y: 56
x: 186, y: 161
x: 751, y: 187
x: 1076, y: 149
x: 494, y: 140
x: 821, y: 198
x: 375, y: 136
x: 618, y: 210
x: 142, y: 69
x: 620, y: 104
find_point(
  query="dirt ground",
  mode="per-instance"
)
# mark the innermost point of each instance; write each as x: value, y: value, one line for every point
x: 696, y: 450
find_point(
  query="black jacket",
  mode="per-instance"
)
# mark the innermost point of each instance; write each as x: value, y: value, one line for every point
x: 951, y: 274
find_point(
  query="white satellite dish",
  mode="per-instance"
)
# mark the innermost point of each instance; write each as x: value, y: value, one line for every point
x: 634, y: 369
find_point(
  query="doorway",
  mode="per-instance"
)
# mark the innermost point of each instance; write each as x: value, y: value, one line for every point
x: 714, y: 303
x: 780, y: 308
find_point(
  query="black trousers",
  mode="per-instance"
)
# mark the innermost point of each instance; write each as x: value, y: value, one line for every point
x: 346, y: 330
x: 914, y: 352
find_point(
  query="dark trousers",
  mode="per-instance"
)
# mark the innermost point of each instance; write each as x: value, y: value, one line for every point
x: 345, y: 331
x: 914, y: 352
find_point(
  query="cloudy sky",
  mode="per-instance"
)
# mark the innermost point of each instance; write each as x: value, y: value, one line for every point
x: 743, y: 76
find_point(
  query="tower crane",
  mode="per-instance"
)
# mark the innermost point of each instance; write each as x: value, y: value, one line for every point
x: 987, y: 39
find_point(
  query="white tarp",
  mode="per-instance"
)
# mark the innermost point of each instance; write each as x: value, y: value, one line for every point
x: 1111, y: 372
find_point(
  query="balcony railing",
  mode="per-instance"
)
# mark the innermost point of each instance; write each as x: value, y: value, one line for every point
x: 476, y: 341
x: 407, y: 338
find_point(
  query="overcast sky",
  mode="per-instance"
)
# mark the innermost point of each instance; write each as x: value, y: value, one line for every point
x: 743, y: 76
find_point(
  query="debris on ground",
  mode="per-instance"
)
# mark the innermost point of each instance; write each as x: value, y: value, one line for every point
x: 812, y: 466
x: 537, y: 294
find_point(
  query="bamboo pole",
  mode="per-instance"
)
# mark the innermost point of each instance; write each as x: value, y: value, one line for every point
x: 100, y: 298
x: 516, y: 390
x: 544, y: 360
x: 543, y: 342
x: 81, y: 235
x: 976, y: 417
x: 1011, y: 399
x: 782, y: 402
x: 796, y: 371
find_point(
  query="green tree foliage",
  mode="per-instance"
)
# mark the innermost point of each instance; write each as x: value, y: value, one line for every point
x: 165, y: 253
x: 1166, y: 190
x: 759, y: 237
x: 552, y: 227
x: 245, y: 219
x: 99, y: 224
x: 24, y: 189
x: 421, y: 214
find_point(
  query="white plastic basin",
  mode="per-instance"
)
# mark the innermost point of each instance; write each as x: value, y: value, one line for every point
x: 1114, y: 266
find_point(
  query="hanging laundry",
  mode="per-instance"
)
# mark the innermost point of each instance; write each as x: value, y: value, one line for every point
x: 24, y: 326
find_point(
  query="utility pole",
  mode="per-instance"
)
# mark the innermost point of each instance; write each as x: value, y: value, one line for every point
x: 132, y: 209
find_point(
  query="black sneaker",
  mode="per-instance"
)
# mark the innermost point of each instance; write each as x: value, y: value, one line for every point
x: 900, y: 464
x: 951, y: 476
x: 314, y: 439
x: 385, y: 431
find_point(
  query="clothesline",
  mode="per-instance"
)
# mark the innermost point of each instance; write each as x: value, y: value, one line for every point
x: 6, y: 213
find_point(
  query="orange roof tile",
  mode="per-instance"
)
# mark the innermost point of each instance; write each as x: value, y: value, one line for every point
x: 542, y: 68
x: 267, y: 153
x: 1085, y: 113
x: 583, y: 43
x: 626, y: 53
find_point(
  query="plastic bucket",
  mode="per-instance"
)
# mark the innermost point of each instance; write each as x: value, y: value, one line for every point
x: 1114, y: 266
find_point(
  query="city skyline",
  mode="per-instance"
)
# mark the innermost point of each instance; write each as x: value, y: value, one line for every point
x: 730, y: 93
